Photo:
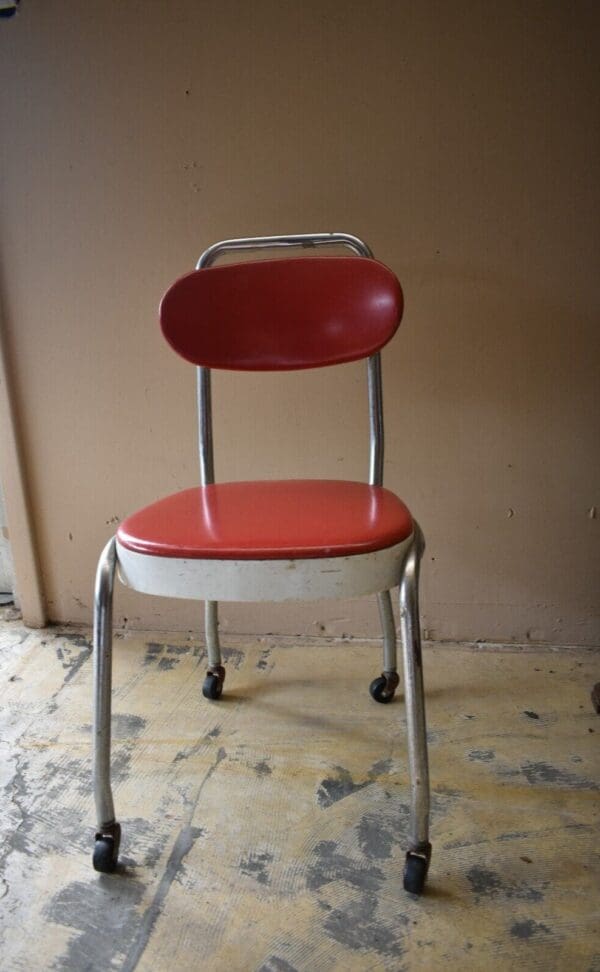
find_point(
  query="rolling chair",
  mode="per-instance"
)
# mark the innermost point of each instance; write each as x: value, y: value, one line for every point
x: 276, y: 540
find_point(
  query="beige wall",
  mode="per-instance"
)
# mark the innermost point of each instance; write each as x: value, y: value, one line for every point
x: 457, y: 138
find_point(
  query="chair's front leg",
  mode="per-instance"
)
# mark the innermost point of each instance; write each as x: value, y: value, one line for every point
x: 419, y: 852
x: 108, y: 834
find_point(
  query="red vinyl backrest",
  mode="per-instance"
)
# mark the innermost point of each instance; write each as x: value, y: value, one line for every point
x: 277, y: 315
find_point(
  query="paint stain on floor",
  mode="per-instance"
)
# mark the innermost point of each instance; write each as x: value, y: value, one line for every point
x: 267, y: 831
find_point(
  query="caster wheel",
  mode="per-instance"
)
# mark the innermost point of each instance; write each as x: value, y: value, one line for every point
x: 212, y: 687
x: 106, y: 850
x: 382, y: 689
x: 415, y: 873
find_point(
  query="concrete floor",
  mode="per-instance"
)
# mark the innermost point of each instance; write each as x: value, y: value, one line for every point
x: 266, y: 831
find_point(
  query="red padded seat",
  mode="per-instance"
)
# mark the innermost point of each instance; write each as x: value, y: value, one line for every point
x: 271, y: 520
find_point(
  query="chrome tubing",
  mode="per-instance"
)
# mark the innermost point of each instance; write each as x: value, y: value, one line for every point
x: 386, y: 614
x: 211, y: 633
x: 265, y: 242
x: 207, y: 476
x: 414, y: 695
x: 205, y: 437
x: 103, y: 600
x: 376, y: 440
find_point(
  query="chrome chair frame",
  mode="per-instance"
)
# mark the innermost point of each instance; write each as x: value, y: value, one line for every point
x: 419, y: 851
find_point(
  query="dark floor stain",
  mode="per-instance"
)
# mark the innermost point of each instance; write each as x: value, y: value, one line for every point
x: 381, y: 768
x: 486, y: 883
x: 48, y: 829
x: 145, y: 839
x: 73, y: 654
x: 121, y: 763
x: 67, y: 774
x: 528, y: 928
x: 125, y: 725
x: 356, y: 927
x: 263, y: 661
x: 18, y: 794
x: 482, y: 755
x: 232, y: 656
x: 536, y: 773
x: 530, y: 714
x: 276, y: 964
x: 104, y: 913
x: 257, y: 866
x: 190, y: 751
x: 377, y: 837
x: 197, y: 747
x: 335, y: 788
x: 329, y: 865
x: 167, y: 656
x: 77, y: 640
x: 262, y: 768
x: 153, y: 650
x: 166, y: 664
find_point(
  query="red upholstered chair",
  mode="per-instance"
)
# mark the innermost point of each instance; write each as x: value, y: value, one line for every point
x: 275, y: 540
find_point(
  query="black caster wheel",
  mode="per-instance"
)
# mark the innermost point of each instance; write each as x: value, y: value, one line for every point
x: 382, y: 689
x: 415, y: 873
x: 212, y: 687
x: 106, y: 850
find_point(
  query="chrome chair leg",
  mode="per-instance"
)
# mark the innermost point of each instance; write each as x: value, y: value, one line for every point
x: 215, y: 675
x: 108, y: 834
x: 383, y: 688
x: 419, y: 852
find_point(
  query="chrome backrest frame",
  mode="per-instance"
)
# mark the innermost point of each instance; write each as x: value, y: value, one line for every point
x: 307, y: 241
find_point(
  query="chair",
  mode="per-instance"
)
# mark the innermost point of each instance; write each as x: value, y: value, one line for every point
x: 275, y: 540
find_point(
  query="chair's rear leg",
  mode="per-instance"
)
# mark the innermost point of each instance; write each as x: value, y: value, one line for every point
x: 383, y: 688
x: 419, y: 852
x: 215, y: 676
x: 108, y: 833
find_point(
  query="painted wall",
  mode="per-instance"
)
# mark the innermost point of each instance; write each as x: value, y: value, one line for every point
x: 458, y: 138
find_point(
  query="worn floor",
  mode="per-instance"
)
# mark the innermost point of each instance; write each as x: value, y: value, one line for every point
x: 266, y: 831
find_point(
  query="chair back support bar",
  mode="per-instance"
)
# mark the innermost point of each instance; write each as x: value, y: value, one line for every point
x: 306, y: 240
x: 376, y: 429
